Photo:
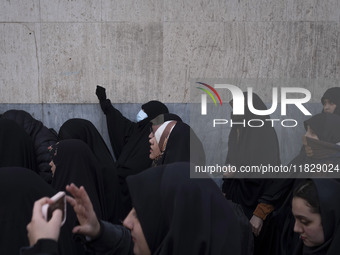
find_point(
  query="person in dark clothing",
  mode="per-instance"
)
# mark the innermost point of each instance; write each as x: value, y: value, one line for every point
x: 316, y: 210
x: 84, y: 130
x: 253, y: 146
x: 124, y: 134
x: 73, y: 161
x: 321, y: 140
x: 129, y: 140
x: 17, y: 148
x: 186, y: 216
x: 172, y: 140
x: 39, y: 229
x: 42, y: 137
x: 331, y: 101
x: 19, y: 188
x: 320, y: 147
x: 172, y: 214
x: 320, y: 125
x: 43, y: 235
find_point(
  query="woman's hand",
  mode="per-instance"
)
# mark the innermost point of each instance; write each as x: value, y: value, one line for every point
x: 256, y: 225
x: 82, y: 206
x: 39, y: 228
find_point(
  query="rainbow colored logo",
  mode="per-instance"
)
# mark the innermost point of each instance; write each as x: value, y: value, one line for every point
x: 209, y: 93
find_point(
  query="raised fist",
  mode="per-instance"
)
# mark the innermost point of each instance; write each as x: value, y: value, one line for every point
x: 100, y: 92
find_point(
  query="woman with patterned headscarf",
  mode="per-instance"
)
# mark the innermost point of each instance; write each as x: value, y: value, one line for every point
x: 172, y: 140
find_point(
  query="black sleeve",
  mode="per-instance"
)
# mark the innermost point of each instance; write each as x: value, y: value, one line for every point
x: 113, y: 239
x: 119, y: 127
x: 277, y: 192
x: 42, y: 138
x: 42, y: 247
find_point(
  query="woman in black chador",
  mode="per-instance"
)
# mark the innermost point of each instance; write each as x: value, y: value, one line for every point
x: 41, y: 136
x: 252, y: 146
x: 84, y: 130
x: 331, y: 101
x: 16, y: 148
x: 321, y: 141
x: 316, y: 209
x: 73, y: 161
x: 183, y: 215
x: 129, y: 140
x: 320, y: 146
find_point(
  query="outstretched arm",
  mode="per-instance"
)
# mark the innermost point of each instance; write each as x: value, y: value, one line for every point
x: 119, y: 128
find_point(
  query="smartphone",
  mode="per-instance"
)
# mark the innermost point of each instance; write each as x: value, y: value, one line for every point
x: 59, y: 202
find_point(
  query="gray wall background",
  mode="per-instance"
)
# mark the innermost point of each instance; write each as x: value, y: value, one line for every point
x: 54, y: 52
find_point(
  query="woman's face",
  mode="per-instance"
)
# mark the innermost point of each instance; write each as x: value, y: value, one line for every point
x: 53, y: 167
x: 154, y: 148
x: 328, y: 106
x: 310, y: 133
x: 307, y: 223
x: 140, y: 245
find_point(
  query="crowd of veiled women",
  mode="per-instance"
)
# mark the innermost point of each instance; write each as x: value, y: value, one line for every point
x: 143, y: 201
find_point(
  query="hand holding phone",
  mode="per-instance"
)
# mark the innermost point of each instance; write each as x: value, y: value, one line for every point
x: 59, y: 202
x: 39, y: 228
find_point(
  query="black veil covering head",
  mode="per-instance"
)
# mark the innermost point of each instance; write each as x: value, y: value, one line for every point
x: 154, y: 108
x: 326, y: 126
x: 183, y: 144
x: 329, y: 197
x: 333, y: 94
x: 325, y: 150
x: 180, y: 215
x: 17, y: 148
x: 75, y: 163
x: 19, y: 189
x: 161, y: 118
x: 84, y: 130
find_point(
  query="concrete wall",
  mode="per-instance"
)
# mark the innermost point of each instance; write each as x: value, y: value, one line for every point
x: 54, y: 52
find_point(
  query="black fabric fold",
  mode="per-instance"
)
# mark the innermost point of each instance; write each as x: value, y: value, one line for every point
x: 17, y: 148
